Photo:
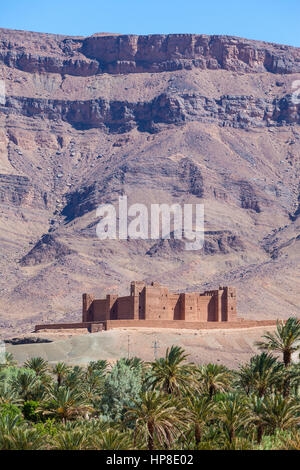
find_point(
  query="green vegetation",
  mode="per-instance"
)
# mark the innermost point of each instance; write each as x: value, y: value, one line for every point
x: 167, y: 404
x: 286, y: 339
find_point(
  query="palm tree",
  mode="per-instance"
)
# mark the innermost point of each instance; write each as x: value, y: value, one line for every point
x: 8, y: 360
x: 7, y: 394
x: 41, y: 369
x: 74, y: 378
x: 112, y: 439
x: 133, y: 362
x: 234, y: 415
x: 285, y: 340
x: 15, y: 434
x: 8, y: 423
x: 65, y: 404
x: 157, y: 417
x: 201, y: 411
x: 24, y: 438
x: 92, y: 388
x: 99, y: 366
x: 73, y: 439
x: 294, y: 378
x: 26, y: 385
x: 257, y: 409
x: 260, y: 375
x: 38, y: 364
x: 280, y: 413
x: 170, y: 374
x: 60, y: 370
x: 214, y: 378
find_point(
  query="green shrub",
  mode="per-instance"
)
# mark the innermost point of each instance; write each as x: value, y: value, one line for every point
x: 9, y: 409
x: 30, y: 410
x: 121, y: 388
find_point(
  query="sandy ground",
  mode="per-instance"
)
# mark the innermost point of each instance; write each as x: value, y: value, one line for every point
x: 228, y: 347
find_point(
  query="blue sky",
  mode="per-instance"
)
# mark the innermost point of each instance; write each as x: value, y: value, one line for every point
x: 267, y: 20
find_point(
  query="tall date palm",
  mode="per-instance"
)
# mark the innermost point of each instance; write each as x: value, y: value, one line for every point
x: 170, y: 374
x: 200, y: 411
x: 261, y: 375
x: 285, y: 340
x: 65, y: 404
x: 158, y: 417
x: 234, y: 415
x: 214, y: 378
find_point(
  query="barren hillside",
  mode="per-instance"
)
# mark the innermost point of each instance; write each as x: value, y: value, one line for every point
x: 166, y: 119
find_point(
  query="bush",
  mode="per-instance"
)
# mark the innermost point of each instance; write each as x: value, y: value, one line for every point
x: 9, y: 409
x: 30, y: 410
x: 122, y: 386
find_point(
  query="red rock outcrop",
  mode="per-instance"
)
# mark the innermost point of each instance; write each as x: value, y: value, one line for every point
x: 36, y: 52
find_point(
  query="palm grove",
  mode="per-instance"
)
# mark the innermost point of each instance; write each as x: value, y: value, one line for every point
x: 167, y: 404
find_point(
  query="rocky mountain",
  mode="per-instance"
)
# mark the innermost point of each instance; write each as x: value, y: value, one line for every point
x: 162, y: 119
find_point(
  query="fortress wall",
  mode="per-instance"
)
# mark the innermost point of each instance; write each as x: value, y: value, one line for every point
x: 181, y: 324
x: 190, y: 307
x: 230, y: 299
x: 154, y: 307
x: 87, y: 301
x: 157, y: 303
x: 99, y: 308
x: 220, y: 312
x: 205, y: 307
x: 67, y: 326
x: 135, y: 306
x: 112, y: 306
x: 212, y: 308
x: 136, y: 287
x: 175, y: 306
x: 142, y: 304
x: 124, y: 308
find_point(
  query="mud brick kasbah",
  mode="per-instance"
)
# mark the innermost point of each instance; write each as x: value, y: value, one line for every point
x: 153, y: 306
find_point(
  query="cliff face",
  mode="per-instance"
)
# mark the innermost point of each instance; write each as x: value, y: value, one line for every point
x: 35, y: 53
x: 156, y: 53
x: 139, y: 54
x: 121, y: 116
x: 163, y: 119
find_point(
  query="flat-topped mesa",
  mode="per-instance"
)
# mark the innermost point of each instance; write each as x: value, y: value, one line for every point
x: 157, y: 53
x: 115, y: 54
x: 155, y: 303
